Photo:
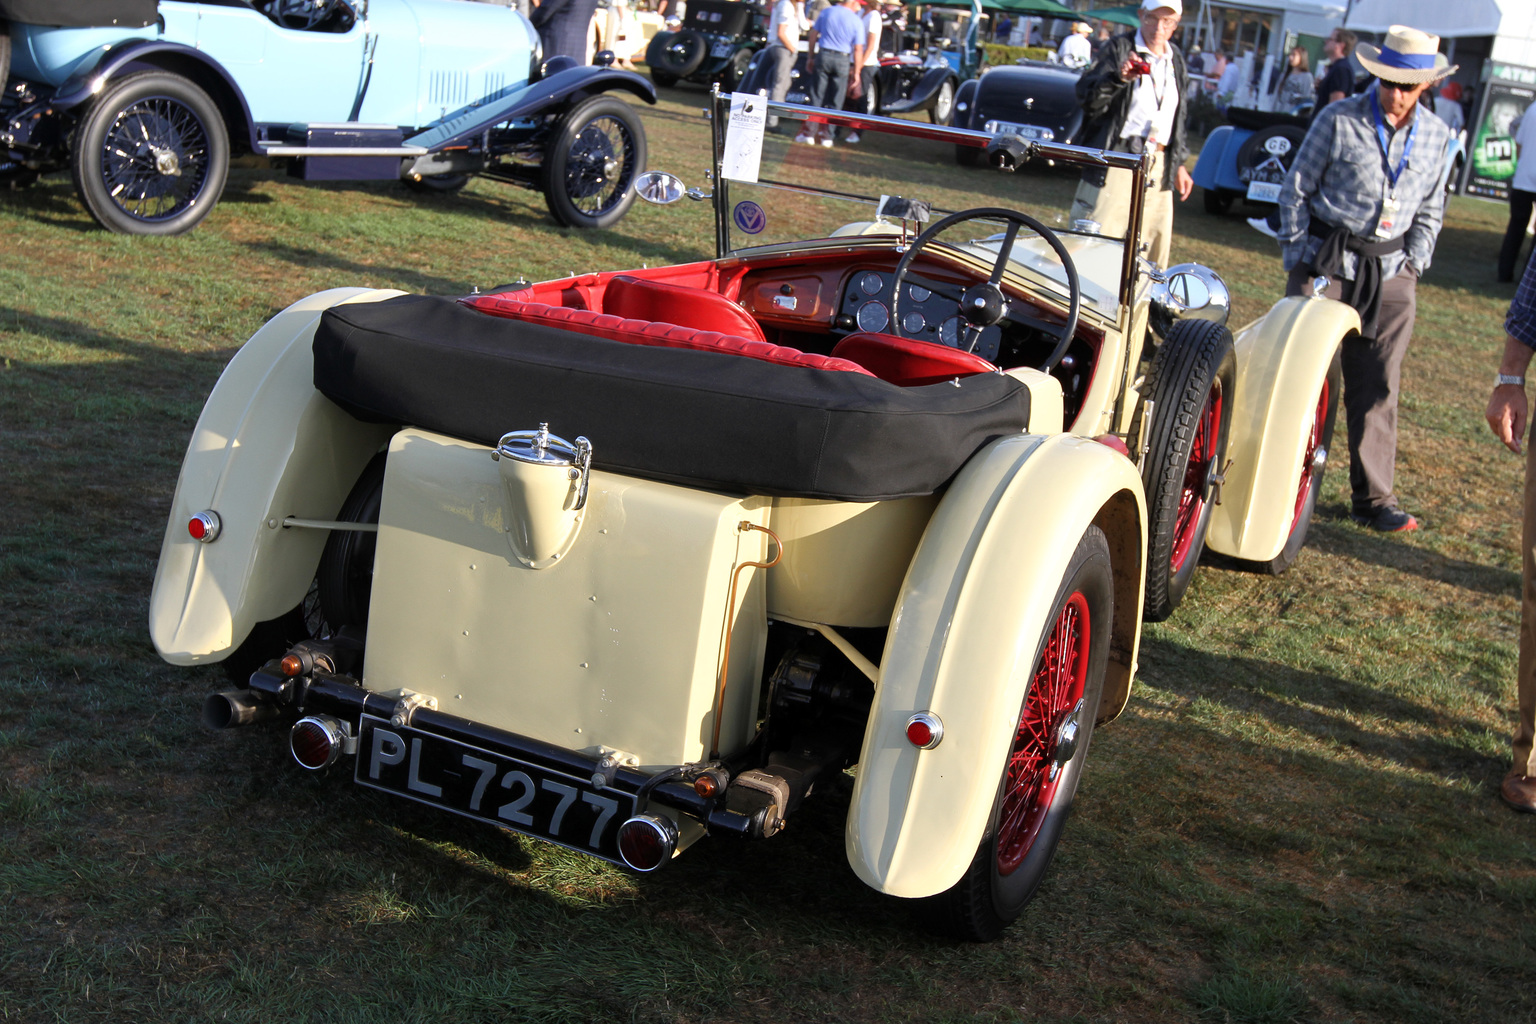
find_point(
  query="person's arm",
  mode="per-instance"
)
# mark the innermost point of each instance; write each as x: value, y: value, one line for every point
x: 1419, y: 239
x: 1099, y: 86
x: 810, y: 49
x: 789, y: 33
x: 1508, y: 409
x: 856, y: 71
x: 1304, y: 179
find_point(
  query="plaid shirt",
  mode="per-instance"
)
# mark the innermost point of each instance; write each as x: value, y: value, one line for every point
x: 1520, y: 324
x: 1339, y: 176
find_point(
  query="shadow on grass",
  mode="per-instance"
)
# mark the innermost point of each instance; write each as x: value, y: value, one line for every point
x: 1335, y: 534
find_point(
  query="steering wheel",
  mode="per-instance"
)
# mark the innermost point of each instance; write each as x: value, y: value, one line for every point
x: 984, y: 304
x: 302, y: 14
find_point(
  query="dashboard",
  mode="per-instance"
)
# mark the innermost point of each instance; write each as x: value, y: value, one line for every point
x: 924, y: 313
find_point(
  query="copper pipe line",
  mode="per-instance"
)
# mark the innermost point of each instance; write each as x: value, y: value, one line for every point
x: 730, y: 615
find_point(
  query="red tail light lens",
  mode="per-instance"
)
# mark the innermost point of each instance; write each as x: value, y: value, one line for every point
x: 647, y: 841
x: 924, y: 730
x: 204, y: 526
x: 317, y: 741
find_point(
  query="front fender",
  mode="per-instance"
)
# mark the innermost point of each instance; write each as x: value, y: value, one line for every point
x: 545, y: 96
x: 964, y: 639
x: 965, y: 102
x: 1282, y: 359
x: 923, y: 93
x: 267, y: 446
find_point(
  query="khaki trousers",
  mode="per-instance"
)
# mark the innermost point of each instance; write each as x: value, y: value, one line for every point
x: 1110, y: 206
x: 1525, y: 682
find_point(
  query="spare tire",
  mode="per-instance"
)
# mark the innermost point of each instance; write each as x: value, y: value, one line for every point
x: 1277, y: 141
x: 679, y: 56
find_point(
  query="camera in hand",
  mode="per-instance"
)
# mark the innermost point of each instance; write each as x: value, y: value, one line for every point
x: 1140, y: 65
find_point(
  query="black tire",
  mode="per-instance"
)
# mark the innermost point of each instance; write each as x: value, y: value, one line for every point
x: 437, y: 184
x: 968, y: 156
x: 151, y: 156
x: 731, y: 75
x: 1031, y: 807
x: 340, y: 593
x: 663, y: 79
x: 1256, y: 148
x: 596, y: 151
x: 680, y: 55
x: 1311, y: 478
x: 1217, y: 201
x: 943, y: 104
x: 1191, y: 389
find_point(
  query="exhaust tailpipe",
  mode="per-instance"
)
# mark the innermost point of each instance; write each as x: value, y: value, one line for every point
x: 235, y: 707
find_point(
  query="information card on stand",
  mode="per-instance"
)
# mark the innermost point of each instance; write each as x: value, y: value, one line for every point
x: 744, y: 137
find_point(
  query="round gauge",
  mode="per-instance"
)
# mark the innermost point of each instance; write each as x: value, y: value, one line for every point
x: 872, y: 316
x: 870, y: 283
x: 951, y: 331
x: 919, y: 293
x: 912, y: 322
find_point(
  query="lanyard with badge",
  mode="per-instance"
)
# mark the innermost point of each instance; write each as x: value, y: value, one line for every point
x: 1390, y: 205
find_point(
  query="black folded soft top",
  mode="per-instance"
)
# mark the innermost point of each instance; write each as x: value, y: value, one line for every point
x: 701, y: 419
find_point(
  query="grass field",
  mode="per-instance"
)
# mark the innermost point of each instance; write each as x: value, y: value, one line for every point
x: 1295, y: 820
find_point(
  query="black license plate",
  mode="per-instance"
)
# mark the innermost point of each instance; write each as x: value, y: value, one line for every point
x: 483, y: 784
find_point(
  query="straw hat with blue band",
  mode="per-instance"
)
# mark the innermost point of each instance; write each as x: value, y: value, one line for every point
x: 1406, y: 57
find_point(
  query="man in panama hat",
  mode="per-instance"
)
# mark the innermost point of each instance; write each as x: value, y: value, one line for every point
x: 1362, y: 206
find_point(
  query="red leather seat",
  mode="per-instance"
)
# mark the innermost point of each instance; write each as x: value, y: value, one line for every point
x: 634, y: 298
x: 909, y: 362
x: 637, y: 332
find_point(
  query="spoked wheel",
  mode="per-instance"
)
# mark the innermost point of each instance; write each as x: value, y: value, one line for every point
x: 151, y: 156
x: 338, y: 596
x: 1314, y: 460
x: 1192, y: 380
x: 591, y: 163
x: 943, y: 104
x: 1046, y: 759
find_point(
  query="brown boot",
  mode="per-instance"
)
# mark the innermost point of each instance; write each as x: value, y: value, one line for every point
x: 1519, y: 791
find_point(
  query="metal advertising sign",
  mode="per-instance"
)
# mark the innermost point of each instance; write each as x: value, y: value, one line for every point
x: 1508, y: 89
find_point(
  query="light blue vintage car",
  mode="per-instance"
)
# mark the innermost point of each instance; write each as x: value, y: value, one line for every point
x: 146, y: 102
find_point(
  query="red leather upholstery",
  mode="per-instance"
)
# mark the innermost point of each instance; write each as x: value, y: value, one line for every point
x: 909, y: 362
x: 639, y: 332
x: 634, y: 298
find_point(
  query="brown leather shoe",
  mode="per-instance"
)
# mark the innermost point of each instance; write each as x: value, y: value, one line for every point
x: 1519, y: 791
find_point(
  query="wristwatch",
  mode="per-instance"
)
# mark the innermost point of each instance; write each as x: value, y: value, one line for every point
x: 1508, y: 378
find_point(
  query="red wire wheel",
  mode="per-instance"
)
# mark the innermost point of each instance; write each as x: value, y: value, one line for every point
x: 1310, y: 477
x: 1193, y: 498
x: 1034, y: 772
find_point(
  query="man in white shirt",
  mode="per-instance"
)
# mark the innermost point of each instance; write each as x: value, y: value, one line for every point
x: 1522, y: 196
x: 784, y: 26
x: 1130, y: 111
x: 865, y: 104
x: 1075, y: 51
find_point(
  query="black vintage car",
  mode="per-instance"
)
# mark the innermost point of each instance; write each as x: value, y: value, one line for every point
x: 905, y: 83
x: 714, y: 45
x: 1034, y: 100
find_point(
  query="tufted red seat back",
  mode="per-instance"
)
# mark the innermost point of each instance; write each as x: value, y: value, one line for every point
x: 635, y: 298
x: 641, y: 332
x: 909, y: 362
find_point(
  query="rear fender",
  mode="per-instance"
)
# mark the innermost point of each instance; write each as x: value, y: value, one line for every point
x: 267, y: 445
x: 1208, y: 168
x: 963, y: 641
x: 209, y: 74
x: 1282, y: 359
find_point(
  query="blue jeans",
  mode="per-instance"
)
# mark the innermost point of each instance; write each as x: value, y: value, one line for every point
x: 829, y: 79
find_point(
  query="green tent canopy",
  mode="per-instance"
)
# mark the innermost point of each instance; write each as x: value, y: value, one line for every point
x: 1041, y: 8
x: 1118, y: 15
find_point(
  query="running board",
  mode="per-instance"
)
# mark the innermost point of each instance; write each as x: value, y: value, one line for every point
x: 275, y: 149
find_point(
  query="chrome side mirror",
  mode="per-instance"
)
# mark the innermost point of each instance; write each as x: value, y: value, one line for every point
x: 659, y: 187
x: 1188, y: 291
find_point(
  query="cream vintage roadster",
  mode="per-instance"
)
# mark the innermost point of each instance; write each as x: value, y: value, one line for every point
x: 882, y: 491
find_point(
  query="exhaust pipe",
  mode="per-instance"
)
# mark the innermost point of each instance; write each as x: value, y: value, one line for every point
x: 235, y: 707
